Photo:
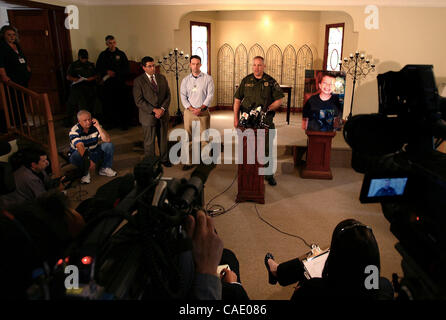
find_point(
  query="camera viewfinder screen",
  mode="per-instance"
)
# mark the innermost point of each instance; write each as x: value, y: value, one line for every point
x: 387, y: 187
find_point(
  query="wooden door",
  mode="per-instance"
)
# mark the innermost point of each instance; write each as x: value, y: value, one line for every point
x: 40, y: 41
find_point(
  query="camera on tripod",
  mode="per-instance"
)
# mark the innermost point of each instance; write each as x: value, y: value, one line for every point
x: 396, y: 150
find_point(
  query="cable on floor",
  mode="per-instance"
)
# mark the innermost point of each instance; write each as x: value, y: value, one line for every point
x: 285, y: 233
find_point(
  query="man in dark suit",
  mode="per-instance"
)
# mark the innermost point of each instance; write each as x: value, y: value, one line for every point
x: 152, y: 97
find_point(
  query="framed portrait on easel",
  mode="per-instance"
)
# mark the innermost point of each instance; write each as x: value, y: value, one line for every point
x: 323, y: 104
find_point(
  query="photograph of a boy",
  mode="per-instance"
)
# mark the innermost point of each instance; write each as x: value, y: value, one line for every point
x: 323, y: 110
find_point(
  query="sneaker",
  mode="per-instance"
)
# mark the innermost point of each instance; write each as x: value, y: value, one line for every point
x: 86, y: 179
x: 109, y: 172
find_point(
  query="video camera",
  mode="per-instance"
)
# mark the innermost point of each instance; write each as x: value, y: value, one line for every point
x: 146, y: 254
x: 255, y: 119
x: 396, y: 149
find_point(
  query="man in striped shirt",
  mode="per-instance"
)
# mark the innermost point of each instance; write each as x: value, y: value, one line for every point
x: 84, y: 146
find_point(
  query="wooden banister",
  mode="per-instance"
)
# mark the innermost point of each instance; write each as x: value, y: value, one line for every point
x: 36, y: 108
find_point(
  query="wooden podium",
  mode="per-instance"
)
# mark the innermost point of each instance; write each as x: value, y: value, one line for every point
x: 318, y: 155
x: 251, y: 186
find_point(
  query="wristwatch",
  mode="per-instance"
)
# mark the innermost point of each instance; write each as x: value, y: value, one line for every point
x: 204, y: 109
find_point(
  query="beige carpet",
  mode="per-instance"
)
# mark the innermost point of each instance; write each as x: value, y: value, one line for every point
x: 308, y: 208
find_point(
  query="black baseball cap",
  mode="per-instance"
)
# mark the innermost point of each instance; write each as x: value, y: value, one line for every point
x: 82, y: 54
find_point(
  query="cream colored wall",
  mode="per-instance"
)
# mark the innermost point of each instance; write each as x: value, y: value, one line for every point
x: 249, y: 27
x: 267, y: 28
x: 182, y: 40
x: 405, y: 35
x: 349, y: 45
x: 139, y: 30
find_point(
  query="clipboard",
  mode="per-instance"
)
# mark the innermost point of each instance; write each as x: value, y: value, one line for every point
x: 314, y: 262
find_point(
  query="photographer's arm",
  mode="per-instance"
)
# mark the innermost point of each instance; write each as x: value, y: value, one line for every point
x: 207, y: 248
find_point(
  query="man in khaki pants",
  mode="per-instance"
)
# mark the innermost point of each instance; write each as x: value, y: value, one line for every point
x: 197, y: 91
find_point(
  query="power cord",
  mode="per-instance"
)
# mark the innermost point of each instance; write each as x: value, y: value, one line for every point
x: 217, y: 209
x: 286, y: 233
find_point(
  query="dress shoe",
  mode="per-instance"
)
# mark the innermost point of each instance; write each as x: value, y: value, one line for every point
x: 187, y: 167
x: 271, y: 180
x: 271, y: 278
x: 166, y: 163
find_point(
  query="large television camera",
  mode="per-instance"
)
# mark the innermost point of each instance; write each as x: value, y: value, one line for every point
x: 139, y: 250
x: 396, y: 150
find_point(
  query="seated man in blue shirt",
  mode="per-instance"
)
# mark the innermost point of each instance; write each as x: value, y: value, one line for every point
x: 84, y: 145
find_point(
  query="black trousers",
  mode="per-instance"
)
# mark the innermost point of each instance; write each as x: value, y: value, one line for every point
x: 114, y: 103
x: 290, y: 272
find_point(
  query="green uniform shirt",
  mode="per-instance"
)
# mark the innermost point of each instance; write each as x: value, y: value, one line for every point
x: 253, y: 91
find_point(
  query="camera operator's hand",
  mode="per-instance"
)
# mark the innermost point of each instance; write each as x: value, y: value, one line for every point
x: 228, y: 276
x: 62, y: 181
x: 207, y: 247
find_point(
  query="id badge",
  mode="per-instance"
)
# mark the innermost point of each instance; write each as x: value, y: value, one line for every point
x: 21, y: 60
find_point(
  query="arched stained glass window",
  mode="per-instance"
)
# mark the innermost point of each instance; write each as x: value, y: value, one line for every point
x: 225, y: 76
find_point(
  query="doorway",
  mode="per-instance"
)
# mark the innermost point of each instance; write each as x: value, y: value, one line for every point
x: 47, y: 46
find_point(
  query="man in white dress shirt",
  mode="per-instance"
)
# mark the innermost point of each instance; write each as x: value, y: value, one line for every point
x: 197, y: 91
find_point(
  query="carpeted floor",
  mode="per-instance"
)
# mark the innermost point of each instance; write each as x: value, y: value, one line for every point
x: 307, y: 208
x: 301, y: 207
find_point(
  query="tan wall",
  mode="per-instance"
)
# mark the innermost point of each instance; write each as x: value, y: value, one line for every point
x: 349, y: 45
x: 405, y: 35
x: 250, y: 27
x: 267, y: 28
x: 182, y: 40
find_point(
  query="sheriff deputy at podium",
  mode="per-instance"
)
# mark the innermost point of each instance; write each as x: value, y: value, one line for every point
x: 259, y: 88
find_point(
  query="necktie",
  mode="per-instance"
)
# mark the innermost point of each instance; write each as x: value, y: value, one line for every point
x: 152, y: 80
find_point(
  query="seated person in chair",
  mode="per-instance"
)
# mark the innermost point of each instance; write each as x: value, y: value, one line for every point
x: 83, y: 93
x: 84, y: 146
x: 353, y: 248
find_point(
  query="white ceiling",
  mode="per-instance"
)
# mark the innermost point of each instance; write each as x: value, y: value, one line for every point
x: 404, y: 3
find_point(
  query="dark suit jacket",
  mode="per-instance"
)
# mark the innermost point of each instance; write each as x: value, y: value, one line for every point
x: 146, y: 98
